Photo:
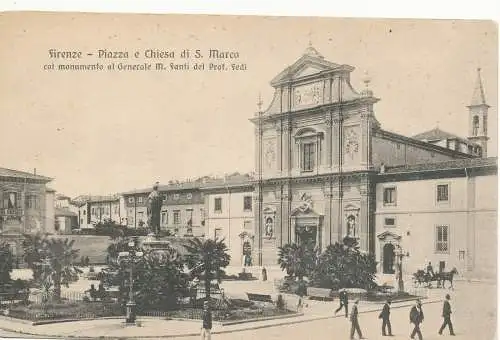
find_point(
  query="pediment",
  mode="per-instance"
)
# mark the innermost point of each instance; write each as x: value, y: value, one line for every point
x: 307, y: 71
x: 304, y: 66
x: 388, y: 236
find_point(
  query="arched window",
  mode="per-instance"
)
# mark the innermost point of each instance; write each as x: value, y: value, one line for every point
x: 475, y: 125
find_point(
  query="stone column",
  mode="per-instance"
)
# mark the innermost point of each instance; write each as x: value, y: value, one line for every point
x: 279, y: 148
x: 257, y: 256
x: 337, y: 213
x: 285, y: 214
x: 336, y: 143
x: 366, y: 141
x: 364, y: 217
x: 280, y: 232
x: 286, y: 147
x: 328, y: 218
x: 328, y: 139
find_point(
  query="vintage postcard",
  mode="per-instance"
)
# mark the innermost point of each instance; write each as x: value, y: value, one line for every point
x: 196, y: 176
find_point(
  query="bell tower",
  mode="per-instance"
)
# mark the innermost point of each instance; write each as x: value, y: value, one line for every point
x: 478, y: 116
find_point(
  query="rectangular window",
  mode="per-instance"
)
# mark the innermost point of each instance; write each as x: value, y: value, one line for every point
x: 442, y: 239
x: 218, y: 233
x: 177, y: 216
x: 390, y: 222
x: 189, y: 217
x: 308, y: 154
x: 32, y: 202
x: 442, y: 193
x: 247, y: 203
x: 163, y: 217
x: 390, y: 196
x: 140, y: 200
x: 10, y: 200
x: 218, y: 204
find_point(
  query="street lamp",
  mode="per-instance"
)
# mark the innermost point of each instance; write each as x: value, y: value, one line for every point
x: 400, y: 254
x: 132, y: 256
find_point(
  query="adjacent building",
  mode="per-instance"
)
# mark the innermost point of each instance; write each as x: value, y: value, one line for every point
x: 92, y: 210
x: 229, y: 207
x: 25, y: 203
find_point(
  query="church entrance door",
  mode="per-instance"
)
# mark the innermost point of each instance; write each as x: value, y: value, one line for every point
x: 389, y: 256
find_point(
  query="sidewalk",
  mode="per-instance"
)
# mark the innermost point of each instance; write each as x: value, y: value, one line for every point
x: 161, y: 328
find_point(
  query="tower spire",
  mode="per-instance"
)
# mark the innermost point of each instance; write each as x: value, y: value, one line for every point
x: 478, y: 96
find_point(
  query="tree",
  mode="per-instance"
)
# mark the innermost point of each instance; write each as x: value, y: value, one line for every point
x: 344, y: 265
x: 59, y: 261
x: 33, y: 245
x: 6, y: 263
x: 297, y: 260
x: 208, y: 257
x: 157, y: 275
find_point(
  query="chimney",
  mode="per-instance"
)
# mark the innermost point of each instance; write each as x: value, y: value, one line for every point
x: 34, y: 171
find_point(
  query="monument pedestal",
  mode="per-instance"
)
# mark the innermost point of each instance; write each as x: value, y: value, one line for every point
x: 154, y: 243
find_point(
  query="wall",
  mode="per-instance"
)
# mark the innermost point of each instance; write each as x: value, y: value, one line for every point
x: 470, y: 215
x: 49, y: 212
x: 394, y: 153
x: 230, y: 221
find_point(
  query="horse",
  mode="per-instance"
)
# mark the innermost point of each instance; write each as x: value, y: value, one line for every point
x: 447, y: 276
x: 422, y: 277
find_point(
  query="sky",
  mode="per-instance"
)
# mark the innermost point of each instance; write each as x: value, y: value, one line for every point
x: 107, y: 132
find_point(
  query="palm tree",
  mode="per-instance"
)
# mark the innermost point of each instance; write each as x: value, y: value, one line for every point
x: 59, y: 261
x: 297, y: 260
x: 33, y: 244
x: 208, y: 257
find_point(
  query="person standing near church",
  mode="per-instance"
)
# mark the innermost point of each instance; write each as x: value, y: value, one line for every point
x: 446, y: 316
x: 416, y: 318
x: 354, y: 321
x: 344, y: 300
x: 386, y: 322
x: 206, y: 330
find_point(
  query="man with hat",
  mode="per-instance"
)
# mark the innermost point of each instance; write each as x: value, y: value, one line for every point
x: 446, y: 316
x: 416, y: 318
x: 384, y: 315
x: 354, y: 321
x: 207, y: 322
x: 344, y: 300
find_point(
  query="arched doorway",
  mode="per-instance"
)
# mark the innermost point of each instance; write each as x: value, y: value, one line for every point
x: 389, y: 256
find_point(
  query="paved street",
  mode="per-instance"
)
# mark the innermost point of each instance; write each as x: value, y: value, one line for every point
x: 474, y: 317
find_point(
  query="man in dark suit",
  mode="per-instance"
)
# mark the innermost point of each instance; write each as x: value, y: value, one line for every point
x: 354, y: 321
x: 416, y: 317
x: 447, y: 316
x: 386, y: 322
x: 344, y: 300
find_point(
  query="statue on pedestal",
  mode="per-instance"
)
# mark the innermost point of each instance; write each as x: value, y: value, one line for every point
x: 155, y: 201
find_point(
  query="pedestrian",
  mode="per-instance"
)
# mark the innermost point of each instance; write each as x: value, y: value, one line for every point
x: 344, y: 301
x: 447, y: 316
x: 354, y: 321
x: 386, y: 322
x: 416, y: 317
x: 207, y: 322
x: 264, y: 274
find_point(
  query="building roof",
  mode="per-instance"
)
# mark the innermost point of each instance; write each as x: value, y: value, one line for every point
x: 5, y: 172
x: 50, y: 190
x: 446, y: 165
x: 82, y: 199
x: 435, y: 134
x: 478, y: 96
x: 64, y: 212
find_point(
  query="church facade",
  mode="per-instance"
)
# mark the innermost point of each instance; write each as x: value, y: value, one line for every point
x: 319, y: 150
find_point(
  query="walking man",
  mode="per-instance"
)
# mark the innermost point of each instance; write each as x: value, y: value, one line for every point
x: 354, y: 321
x: 207, y: 322
x: 416, y: 317
x: 386, y: 322
x: 344, y: 300
x: 446, y: 316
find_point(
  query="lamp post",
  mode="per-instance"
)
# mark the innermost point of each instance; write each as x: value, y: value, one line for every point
x: 132, y: 256
x: 400, y: 254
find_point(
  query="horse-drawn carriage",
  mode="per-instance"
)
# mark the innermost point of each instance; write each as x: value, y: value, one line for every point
x: 422, y: 278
